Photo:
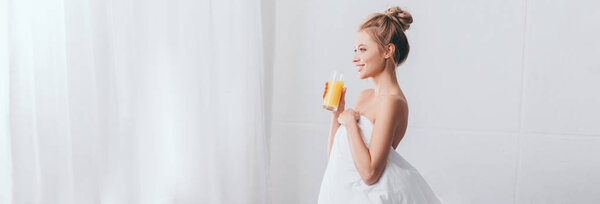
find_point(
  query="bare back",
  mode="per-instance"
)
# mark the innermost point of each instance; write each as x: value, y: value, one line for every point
x: 367, y: 104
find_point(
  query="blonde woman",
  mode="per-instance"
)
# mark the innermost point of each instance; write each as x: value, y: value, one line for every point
x: 363, y: 165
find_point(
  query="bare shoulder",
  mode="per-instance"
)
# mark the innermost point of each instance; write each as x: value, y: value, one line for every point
x: 392, y: 106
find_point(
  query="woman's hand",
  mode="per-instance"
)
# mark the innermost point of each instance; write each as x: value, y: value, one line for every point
x: 342, y: 103
x: 349, y: 116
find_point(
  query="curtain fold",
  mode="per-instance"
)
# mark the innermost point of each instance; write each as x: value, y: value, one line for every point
x: 133, y: 102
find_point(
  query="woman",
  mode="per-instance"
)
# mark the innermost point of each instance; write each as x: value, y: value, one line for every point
x: 363, y: 165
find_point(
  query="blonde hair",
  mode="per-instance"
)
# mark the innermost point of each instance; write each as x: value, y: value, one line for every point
x: 389, y: 27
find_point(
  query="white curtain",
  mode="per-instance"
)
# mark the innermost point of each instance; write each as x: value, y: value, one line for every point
x: 132, y: 101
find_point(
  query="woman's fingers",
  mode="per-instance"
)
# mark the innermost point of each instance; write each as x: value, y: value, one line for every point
x: 343, y: 95
x: 325, y: 92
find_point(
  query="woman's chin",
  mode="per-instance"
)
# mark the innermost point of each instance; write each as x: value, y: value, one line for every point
x: 361, y: 76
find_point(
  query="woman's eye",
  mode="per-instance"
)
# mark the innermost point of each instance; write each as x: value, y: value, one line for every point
x: 361, y: 49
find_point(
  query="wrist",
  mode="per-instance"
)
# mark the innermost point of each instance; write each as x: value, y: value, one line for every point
x: 351, y: 125
x: 335, y: 114
x: 334, y: 119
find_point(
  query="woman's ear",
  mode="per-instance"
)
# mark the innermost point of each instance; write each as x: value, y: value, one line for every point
x: 389, y: 50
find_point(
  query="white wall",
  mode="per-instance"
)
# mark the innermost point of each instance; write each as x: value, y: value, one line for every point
x: 503, y: 96
x: 5, y: 151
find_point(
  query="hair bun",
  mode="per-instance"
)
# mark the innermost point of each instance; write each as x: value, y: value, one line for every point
x: 402, y: 17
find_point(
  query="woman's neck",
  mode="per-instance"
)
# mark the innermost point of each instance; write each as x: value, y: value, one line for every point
x: 385, y: 82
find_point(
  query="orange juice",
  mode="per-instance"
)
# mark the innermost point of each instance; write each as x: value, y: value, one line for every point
x: 333, y: 95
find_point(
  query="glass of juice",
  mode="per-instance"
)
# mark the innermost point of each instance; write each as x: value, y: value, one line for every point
x: 334, y: 92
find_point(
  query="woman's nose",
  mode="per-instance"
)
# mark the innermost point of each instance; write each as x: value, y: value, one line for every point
x: 355, y: 59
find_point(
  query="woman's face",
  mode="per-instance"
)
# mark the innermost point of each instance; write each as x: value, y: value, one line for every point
x: 368, y: 58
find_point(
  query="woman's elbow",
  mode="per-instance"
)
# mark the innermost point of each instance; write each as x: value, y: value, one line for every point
x: 370, y: 179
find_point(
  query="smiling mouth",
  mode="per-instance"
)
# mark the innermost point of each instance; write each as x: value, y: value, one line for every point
x: 359, y: 68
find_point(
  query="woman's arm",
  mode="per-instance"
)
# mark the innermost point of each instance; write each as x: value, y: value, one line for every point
x: 335, y: 114
x: 332, y: 130
x: 370, y: 162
